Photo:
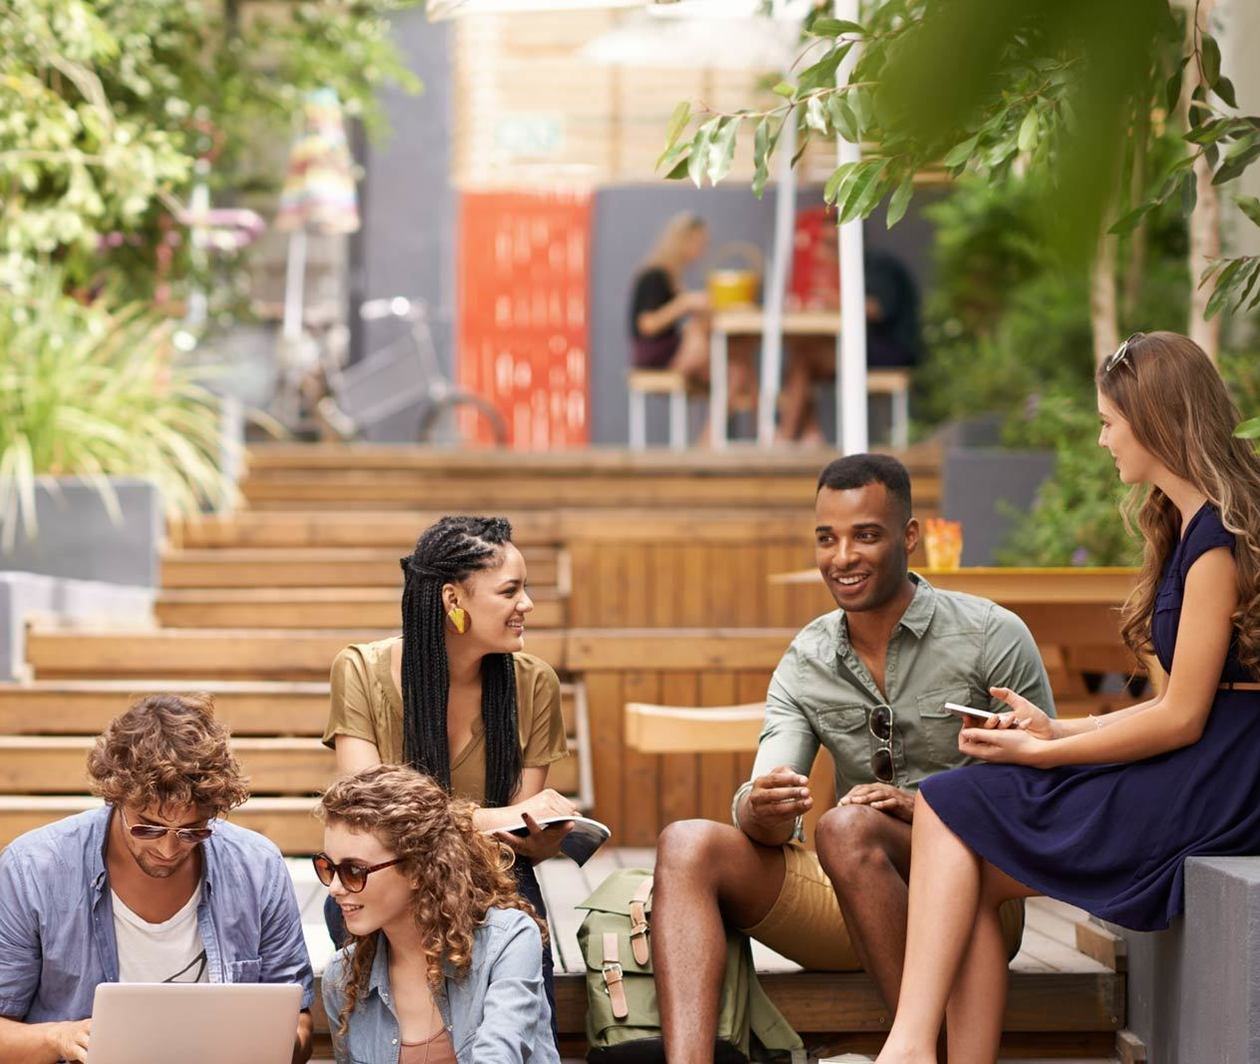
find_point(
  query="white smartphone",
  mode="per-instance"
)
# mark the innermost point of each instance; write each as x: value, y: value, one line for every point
x: 968, y: 711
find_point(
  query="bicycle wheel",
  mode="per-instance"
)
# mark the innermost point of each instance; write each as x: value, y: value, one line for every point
x: 440, y: 414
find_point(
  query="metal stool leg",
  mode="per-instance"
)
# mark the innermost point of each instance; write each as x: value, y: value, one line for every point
x: 638, y: 420
x: 678, y: 419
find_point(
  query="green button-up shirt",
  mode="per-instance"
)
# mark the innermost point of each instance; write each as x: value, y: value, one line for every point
x: 947, y: 647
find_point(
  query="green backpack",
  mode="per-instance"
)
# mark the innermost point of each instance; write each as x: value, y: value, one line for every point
x: 623, y: 1022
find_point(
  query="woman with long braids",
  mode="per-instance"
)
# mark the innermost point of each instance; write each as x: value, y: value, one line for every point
x: 456, y: 698
x: 1103, y: 812
x: 443, y: 965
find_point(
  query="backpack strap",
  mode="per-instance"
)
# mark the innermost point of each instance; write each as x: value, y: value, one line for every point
x: 613, y: 980
x: 638, y: 921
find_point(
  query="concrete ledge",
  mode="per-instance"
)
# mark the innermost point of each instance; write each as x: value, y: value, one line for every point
x: 25, y: 597
x: 1194, y: 990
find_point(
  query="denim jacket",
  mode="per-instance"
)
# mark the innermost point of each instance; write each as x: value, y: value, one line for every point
x: 496, y: 1014
x: 57, y: 919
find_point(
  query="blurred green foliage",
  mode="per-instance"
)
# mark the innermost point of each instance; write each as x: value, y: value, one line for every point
x: 107, y: 105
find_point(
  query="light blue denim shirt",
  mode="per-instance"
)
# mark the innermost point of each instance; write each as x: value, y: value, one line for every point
x: 496, y: 1014
x: 57, y: 919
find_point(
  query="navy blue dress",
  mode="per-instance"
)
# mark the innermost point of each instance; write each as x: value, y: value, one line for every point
x: 1113, y: 839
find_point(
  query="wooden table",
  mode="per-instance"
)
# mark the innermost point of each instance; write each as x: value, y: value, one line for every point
x: 750, y: 321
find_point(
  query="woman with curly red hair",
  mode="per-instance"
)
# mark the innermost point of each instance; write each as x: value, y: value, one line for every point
x: 1102, y: 812
x: 444, y: 963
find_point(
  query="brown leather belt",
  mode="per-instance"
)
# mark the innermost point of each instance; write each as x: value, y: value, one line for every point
x: 1244, y: 686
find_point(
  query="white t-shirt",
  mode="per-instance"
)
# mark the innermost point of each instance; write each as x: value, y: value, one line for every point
x: 169, y: 952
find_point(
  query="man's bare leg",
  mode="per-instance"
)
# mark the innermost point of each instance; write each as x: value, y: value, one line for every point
x: 708, y: 875
x: 866, y: 855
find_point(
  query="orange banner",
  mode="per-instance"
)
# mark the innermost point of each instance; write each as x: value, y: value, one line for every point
x: 523, y: 333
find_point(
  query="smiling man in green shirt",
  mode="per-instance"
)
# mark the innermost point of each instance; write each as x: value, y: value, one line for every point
x: 869, y: 681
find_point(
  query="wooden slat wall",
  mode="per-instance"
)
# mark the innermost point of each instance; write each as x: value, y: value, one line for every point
x: 680, y: 585
x: 638, y: 794
x: 611, y: 120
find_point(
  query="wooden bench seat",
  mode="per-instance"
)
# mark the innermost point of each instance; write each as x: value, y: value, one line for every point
x: 313, y: 607
x: 312, y: 567
x: 326, y: 528
x: 225, y: 653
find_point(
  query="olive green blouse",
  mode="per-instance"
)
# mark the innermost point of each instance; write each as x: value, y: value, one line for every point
x: 367, y: 704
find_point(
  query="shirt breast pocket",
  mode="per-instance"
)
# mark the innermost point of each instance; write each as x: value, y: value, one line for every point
x: 245, y: 971
x: 939, y: 727
x: 844, y: 732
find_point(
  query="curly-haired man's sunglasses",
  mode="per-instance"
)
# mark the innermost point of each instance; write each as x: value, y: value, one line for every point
x: 353, y: 875
x: 152, y: 832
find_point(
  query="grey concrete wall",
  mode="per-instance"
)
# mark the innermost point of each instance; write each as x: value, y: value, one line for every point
x: 627, y: 220
x: 407, y: 244
x: 77, y: 538
x: 1194, y: 990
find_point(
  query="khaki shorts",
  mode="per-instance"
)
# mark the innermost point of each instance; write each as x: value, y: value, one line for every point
x: 805, y: 923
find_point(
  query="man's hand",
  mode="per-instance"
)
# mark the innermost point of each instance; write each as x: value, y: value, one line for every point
x: 777, y: 798
x: 70, y: 1039
x: 884, y: 797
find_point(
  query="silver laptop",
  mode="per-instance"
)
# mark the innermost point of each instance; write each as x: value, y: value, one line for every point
x: 194, y: 1023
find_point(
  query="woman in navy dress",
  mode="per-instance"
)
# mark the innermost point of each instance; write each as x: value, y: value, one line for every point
x: 1103, y: 812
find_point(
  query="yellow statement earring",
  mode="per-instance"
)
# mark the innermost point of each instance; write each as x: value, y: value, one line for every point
x: 458, y: 618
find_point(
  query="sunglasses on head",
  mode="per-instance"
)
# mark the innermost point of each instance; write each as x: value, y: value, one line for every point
x: 1122, y: 353
x: 352, y: 874
x: 152, y: 832
x: 879, y: 721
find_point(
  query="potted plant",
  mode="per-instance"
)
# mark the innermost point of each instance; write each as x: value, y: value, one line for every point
x: 102, y: 434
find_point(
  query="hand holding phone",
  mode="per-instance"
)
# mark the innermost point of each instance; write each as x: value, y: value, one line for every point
x: 982, y: 715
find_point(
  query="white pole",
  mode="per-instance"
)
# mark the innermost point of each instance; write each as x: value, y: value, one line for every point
x: 776, y: 282
x: 294, y: 284
x: 851, y: 429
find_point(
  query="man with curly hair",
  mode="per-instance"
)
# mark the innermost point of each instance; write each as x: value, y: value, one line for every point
x: 153, y: 887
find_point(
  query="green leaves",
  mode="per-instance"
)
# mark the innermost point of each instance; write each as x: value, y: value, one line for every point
x: 961, y: 152
x: 1249, y: 430
x: 855, y: 188
x: 1237, y: 159
x: 1235, y: 285
x: 900, y: 201
x: 1250, y: 206
x: 833, y: 27
x: 1026, y: 140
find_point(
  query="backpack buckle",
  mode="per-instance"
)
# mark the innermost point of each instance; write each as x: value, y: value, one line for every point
x: 612, y: 973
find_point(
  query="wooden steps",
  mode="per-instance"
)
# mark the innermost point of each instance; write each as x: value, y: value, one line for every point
x: 39, y: 764
x: 391, y: 478
x: 310, y: 567
x: 289, y: 822
x: 395, y: 529
x: 233, y: 654
x: 312, y: 607
x: 84, y: 707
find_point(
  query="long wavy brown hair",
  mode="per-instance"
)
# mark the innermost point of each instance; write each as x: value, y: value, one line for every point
x: 1177, y: 406
x: 458, y: 873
